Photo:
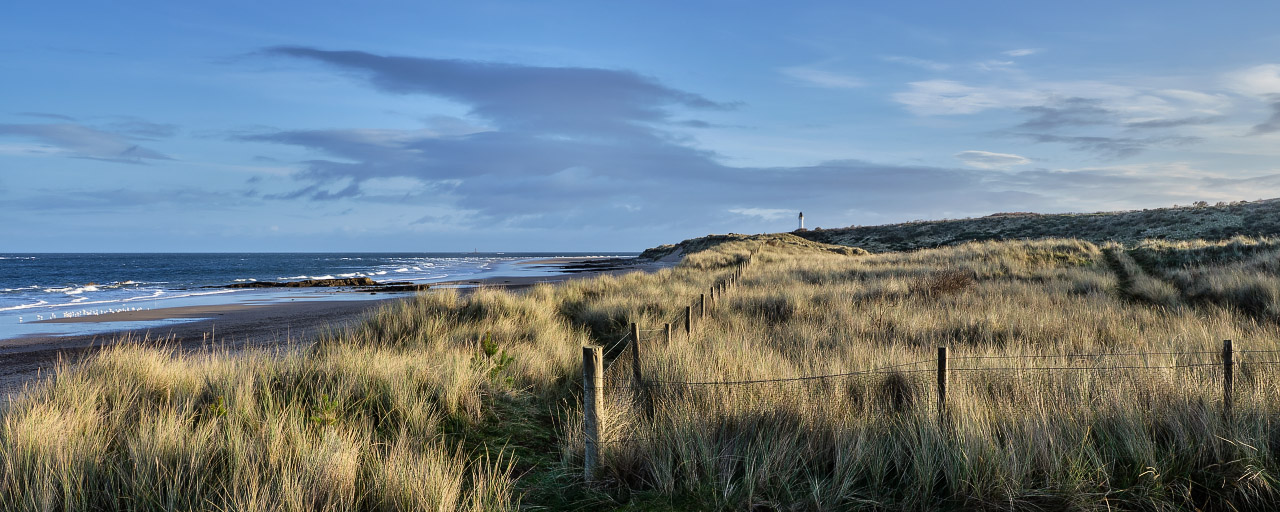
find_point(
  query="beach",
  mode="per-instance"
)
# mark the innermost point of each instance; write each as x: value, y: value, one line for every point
x: 280, y: 323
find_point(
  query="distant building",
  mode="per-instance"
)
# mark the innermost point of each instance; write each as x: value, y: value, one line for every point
x: 801, y: 220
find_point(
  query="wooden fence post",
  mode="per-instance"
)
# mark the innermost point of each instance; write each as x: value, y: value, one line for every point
x: 713, y: 296
x: 667, y: 328
x: 702, y: 306
x: 1227, y: 372
x: 688, y: 321
x: 592, y: 408
x: 942, y: 384
x: 635, y: 355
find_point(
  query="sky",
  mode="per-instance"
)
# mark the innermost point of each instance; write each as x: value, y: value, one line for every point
x: 611, y: 126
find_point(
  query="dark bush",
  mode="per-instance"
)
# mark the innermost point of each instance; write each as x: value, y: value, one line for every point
x: 944, y: 282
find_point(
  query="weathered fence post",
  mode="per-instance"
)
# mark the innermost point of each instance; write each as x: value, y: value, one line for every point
x: 592, y: 407
x: 713, y: 296
x: 702, y: 306
x: 635, y: 355
x: 667, y: 329
x: 942, y: 384
x: 688, y: 321
x: 1227, y: 371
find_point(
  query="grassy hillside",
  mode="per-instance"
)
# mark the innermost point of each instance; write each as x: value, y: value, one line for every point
x: 790, y: 240
x: 1084, y: 376
x: 1258, y: 218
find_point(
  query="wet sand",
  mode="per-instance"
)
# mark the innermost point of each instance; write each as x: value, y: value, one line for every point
x: 239, y: 326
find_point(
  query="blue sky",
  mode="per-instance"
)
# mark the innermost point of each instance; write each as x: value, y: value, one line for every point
x: 323, y: 126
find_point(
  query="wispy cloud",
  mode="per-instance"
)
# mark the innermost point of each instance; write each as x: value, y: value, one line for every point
x: 990, y: 160
x: 1262, y: 80
x: 917, y: 62
x: 1067, y: 112
x: 46, y: 115
x: 1272, y: 124
x: 994, y: 65
x: 79, y: 141
x: 1022, y: 52
x: 1111, y: 147
x: 1174, y: 123
x: 765, y: 213
x: 950, y: 97
x: 821, y: 78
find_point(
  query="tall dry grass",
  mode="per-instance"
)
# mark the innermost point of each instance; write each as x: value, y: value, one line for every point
x: 448, y: 402
x: 1013, y: 436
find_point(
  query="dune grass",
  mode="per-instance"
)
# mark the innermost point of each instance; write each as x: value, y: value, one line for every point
x: 446, y: 402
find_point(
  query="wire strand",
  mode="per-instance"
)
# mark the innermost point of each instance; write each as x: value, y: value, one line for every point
x: 878, y: 370
x: 1082, y: 356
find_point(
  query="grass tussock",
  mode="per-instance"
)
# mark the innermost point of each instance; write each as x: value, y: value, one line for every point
x: 450, y: 402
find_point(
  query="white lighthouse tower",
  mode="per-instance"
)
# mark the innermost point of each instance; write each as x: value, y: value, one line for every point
x: 801, y: 220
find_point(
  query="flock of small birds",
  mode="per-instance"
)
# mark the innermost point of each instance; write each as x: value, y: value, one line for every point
x: 83, y: 312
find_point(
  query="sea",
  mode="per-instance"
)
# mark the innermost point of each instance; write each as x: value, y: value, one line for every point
x: 37, y: 287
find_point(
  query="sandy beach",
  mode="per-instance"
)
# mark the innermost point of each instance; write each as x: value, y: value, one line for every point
x: 239, y: 326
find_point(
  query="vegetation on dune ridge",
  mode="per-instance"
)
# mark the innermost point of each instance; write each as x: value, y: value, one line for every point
x: 1199, y: 221
x: 706, y: 243
x: 447, y: 402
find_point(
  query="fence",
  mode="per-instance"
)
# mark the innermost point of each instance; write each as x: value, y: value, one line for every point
x: 920, y: 383
x: 593, y: 368
x: 1114, y: 366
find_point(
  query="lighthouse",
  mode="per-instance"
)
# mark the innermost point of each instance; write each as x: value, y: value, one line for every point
x: 801, y: 220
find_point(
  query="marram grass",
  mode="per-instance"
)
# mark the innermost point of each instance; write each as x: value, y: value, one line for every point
x: 472, y: 403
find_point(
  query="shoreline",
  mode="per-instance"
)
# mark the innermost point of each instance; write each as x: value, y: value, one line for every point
x: 250, y: 325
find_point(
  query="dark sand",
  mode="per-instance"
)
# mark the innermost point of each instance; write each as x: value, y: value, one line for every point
x: 239, y: 326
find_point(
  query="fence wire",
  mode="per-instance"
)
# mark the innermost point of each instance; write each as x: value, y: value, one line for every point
x: 1160, y: 381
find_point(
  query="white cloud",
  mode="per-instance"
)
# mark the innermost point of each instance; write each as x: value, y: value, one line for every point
x: 820, y: 78
x: 989, y: 160
x: 917, y: 62
x: 394, y: 186
x: 1130, y: 103
x: 1022, y: 52
x: 1258, y: 80
x: 764, y: 213
x: 945, y: 97
x: 994, y: 65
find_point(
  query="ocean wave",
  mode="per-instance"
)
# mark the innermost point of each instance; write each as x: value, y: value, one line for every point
x: 73, y: 290
x: 154, y: 295
x: 80, y: 289
x: 295, y: 278
x: 25, y: 306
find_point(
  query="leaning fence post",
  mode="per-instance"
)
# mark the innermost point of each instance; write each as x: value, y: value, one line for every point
x: 592, y: 407
x: 667, y: 329
x: 942, y: 384
x: 1227, y: 371
x: 635, y: 354
x: 688, y: 321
